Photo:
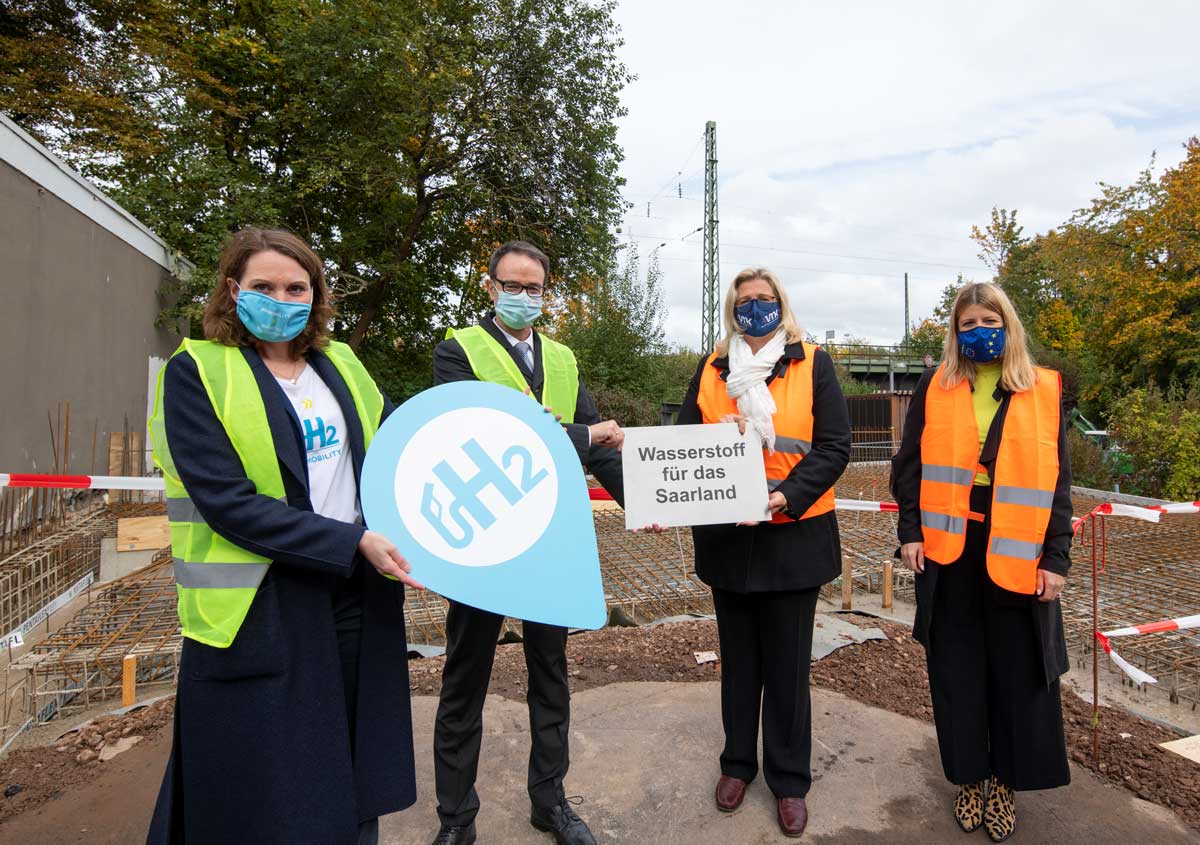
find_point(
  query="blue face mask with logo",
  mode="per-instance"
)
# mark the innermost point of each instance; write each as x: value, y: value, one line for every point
x: 757, y: 318
x: 518, y: 310
x: 270, y: 320
x: 982, y: 344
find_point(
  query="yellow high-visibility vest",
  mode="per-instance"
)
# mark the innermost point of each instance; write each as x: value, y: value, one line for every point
x: 215, y: 579
x: 491, y: 362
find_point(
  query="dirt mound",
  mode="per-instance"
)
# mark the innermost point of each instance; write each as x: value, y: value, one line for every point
x: 32, y: 776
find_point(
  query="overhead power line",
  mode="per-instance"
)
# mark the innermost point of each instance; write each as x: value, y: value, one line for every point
x: 827, y: 254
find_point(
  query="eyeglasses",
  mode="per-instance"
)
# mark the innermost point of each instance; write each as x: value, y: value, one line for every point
x: 765, y: 298
x: 535, y: 291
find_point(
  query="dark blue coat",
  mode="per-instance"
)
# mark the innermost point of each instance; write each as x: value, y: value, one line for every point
x: 262, y: 749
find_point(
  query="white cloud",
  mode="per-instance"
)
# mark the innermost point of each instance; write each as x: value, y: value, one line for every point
x: 861, y: 141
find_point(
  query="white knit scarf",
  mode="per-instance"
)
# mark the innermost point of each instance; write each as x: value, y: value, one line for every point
x: 748, y: 372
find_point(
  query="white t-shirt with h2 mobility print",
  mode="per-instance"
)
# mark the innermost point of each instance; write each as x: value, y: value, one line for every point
x: 331, y: 487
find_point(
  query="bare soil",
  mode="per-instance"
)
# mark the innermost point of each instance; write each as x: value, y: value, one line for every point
x: 889, y: 674
x: 32, y: 776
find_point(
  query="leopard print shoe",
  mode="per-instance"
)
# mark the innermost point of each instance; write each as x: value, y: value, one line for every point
x: 968, y: 806
x: 1000, y: 817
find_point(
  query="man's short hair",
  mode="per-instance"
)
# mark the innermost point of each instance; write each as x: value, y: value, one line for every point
x: 522, y: 248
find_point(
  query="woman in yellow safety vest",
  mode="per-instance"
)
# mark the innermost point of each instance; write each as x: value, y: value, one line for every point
x: 983, y: 482
x: 292, y: 717
x: 766, y: 576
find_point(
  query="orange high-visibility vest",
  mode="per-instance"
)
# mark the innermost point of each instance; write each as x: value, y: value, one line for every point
x: 793, y: 420
x: 1023, y: 481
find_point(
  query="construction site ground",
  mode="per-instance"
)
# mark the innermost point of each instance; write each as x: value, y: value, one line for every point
x: 645, y: 737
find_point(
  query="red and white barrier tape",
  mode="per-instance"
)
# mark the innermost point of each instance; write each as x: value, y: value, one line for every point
x: 1150, y: 513
x: 858, y: 505
x: 81, y: 482
x: 1179, y: 624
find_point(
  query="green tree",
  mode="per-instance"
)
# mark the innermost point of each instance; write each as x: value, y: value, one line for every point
x: 926, y: 338
x: 405, y: 139
x: 614, y: 325
x: 1128, y: 269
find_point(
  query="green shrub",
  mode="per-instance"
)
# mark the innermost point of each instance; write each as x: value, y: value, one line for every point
x: 1161, y: 433
x: 1088, y: 466
x: 627, y: 408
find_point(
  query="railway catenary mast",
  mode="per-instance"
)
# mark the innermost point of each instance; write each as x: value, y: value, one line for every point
x: 710, y: 302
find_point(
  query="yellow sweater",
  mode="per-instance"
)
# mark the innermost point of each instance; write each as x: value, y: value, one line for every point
x: 987, y: 376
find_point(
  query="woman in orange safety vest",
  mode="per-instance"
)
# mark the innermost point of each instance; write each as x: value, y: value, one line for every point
x: 983, y: 482
x: 765, y: 576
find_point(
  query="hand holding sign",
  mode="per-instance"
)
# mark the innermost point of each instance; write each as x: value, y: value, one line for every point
x: 607, y: 433
x: 382, y: 554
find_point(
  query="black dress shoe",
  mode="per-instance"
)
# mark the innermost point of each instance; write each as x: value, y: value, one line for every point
x: 456, y: 834
x: 563, y: 822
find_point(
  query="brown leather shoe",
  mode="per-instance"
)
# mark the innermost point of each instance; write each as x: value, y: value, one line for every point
x: 730, y: 792
x: 792, y: 815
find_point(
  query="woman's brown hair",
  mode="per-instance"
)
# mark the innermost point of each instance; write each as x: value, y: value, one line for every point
x: 221, y: 321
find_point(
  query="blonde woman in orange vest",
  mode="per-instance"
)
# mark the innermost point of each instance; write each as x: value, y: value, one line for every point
x: 765, y: 576
x: 983, y: 481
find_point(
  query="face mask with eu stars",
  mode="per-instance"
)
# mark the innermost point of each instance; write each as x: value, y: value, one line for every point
x: 982, y: 344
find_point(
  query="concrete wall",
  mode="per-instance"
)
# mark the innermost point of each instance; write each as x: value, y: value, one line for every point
x: 77, y: 322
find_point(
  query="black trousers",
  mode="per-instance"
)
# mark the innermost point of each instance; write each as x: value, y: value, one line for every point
x: 470, y: 651
x: 994, y: 712
x: 766, y: 648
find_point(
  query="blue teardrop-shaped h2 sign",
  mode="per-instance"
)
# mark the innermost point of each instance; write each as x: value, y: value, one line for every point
x: 483, y: 492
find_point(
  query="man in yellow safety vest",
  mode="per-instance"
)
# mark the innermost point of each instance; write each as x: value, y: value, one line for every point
x: 504, y: 349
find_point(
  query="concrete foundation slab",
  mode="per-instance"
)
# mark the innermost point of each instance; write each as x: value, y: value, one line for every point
x: 644, y: 756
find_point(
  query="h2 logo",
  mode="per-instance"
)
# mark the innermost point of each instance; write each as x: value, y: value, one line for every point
x: 465, y: 501
x: 314, y: 429
x: 476, y: 486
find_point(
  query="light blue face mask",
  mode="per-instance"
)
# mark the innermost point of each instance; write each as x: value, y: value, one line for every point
x: 270, y: 320
x: 518, y: 310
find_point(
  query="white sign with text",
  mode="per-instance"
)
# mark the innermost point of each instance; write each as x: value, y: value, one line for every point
x: 692, y: 475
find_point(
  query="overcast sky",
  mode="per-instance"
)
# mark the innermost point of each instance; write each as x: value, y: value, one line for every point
x: 862, y: 139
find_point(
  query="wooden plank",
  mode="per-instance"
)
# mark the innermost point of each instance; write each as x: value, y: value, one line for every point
x: 129, y: 680
x: 116, y: 453
x: 138, y: 533
x: 118, y: 464
x: 888, y: 579
x: 847, y: 584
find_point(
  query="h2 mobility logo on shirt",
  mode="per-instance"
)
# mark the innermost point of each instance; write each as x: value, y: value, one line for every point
x: 321, y: 441
x: 483, y: 492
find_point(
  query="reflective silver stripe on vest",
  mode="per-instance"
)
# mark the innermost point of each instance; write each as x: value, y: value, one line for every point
x: 219, y: 576
x: 183, y: 510
x: 792, y: 445
x: 943, y: 522
x: 772, y: 483
x: 1025, y: 496
x: 948, y: 475
x: 1016, y: 548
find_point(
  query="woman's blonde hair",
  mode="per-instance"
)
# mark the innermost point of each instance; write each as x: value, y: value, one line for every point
x: 1017, y: 373
x: 787, y: 320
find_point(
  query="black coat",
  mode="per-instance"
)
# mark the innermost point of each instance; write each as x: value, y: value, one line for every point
x: 782, y: 556
x: 262, y: 743
x: 450, y: 363
x: 906, y: 490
